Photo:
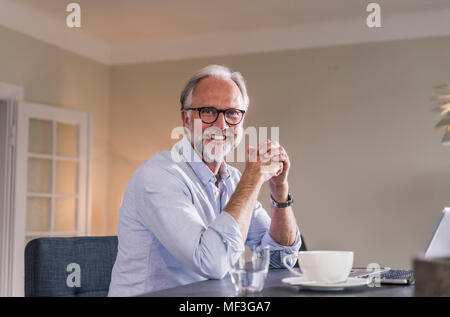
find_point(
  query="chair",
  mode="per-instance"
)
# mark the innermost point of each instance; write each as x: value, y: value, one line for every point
x: 302, y: 248
x: 75, y: 266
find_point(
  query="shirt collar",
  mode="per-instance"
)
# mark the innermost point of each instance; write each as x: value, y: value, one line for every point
x: 200, y: 168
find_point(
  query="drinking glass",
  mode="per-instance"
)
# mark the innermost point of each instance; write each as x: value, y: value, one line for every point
x: 248, y: 270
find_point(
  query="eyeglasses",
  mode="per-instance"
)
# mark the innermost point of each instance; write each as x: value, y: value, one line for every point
x: 209, y: 115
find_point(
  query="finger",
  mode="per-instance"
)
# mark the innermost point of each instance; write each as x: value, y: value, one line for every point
x: 284, y: 154
x: 288, y: 161
x: 280, y: 157
x: 278, y: 165
x: 270, y: 154
x: 267, y: 145
x: 283, y: 150
x: 283, y: 160
x: 271, y: 169
x: 252, y: 154
x: 263, y: 147
x: 280, y: 169
x: 269, y: 149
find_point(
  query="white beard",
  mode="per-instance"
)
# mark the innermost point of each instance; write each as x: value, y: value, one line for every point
x: 214, y: 151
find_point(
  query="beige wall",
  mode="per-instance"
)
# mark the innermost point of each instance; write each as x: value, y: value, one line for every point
x: 368, y: 171
x: 56, y: 77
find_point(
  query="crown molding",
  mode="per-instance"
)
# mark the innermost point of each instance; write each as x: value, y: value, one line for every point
x: 29, y: 22
x: 422, y: 24
x: 407, y: 26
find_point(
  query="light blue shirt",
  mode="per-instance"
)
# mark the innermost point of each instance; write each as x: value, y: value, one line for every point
x: 172, y: 227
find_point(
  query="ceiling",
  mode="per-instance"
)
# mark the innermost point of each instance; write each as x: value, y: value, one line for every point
x: 148, y: 30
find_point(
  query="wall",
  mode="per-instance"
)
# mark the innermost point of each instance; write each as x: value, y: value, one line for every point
x: 59, y: 78
x: 368, y: 171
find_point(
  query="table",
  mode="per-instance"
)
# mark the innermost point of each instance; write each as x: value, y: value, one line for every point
x: 274, y: 287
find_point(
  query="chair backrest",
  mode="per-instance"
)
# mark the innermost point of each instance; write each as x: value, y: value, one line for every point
x: 75, y: 266
x: 303, y: 246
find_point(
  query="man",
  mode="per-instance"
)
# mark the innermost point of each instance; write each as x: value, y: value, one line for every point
x: 184, y: 209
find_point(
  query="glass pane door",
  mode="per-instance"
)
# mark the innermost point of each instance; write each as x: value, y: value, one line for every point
x: 53, y: 179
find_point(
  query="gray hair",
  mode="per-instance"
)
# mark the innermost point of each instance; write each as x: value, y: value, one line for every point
x: 213, y: 71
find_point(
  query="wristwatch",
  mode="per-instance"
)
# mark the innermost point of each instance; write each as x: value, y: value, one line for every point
x: 289, y: 202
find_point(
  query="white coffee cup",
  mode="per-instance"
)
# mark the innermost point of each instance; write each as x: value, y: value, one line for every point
x: 323, y: 266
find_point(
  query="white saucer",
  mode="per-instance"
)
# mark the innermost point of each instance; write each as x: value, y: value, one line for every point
x: 313, y: 285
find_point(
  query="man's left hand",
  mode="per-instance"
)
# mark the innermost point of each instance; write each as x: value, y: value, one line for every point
x: 278, y: 184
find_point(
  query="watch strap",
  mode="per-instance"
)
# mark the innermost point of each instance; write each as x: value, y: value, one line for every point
x: 289, y: 202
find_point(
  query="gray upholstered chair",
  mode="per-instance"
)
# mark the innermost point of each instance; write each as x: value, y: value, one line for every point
x: 76, y: 266
x: 303, y: 246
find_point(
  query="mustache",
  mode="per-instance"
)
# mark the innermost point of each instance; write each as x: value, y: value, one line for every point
x: 227, y: 133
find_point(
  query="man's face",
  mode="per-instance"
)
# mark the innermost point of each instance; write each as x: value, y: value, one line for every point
x: 219, y: 138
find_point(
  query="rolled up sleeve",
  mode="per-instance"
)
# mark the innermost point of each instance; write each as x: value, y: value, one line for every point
x: 172, y: 217
x: 278, y: 252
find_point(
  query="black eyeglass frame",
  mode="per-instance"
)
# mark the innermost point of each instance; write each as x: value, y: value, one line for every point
x: 218, y: 113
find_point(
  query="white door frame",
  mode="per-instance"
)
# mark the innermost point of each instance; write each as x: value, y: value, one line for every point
x: 26, y: 111
x: 16, y: 94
